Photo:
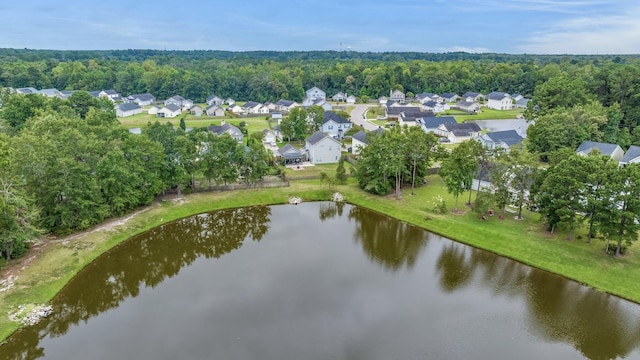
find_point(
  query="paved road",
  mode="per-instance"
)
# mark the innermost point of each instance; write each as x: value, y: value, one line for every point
x: 358, y: 117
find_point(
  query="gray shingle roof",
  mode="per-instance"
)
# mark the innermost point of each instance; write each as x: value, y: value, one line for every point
x: 463, y: 129
x: 317, y: 136
x: 290, y: 152
x: 330, y: 115
x: 283, y: 102
x: 225, y: 128
x: 434, y: 122
x: 250, y: 104
x: 172, y: 107
x: 604, y: 148
x: 509, y: 137
x: 143, y: 97
x: 397, y: 110
x: 496, y: 95
x: 471, y: 94
x: 632, y: 153
x: 129, y: 106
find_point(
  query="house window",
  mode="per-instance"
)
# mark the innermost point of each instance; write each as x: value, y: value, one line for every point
x: 330, y: 127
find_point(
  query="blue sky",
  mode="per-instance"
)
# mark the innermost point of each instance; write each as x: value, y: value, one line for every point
x: 504, y: 26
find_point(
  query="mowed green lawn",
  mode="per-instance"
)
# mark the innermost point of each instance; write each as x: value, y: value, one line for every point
x: 141, y: 120
x: 484, y: 114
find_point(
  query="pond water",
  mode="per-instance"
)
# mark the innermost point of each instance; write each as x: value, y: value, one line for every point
x: 320, y: 281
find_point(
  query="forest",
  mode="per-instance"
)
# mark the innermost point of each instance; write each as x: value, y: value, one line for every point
x: 66, y: 165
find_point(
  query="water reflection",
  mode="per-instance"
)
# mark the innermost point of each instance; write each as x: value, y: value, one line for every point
x: 389, y: 242
x: 595, y: 324
x: 144, y: 261
x: 442, y: 284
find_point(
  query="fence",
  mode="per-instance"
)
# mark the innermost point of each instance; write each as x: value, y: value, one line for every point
x: 259, y: 185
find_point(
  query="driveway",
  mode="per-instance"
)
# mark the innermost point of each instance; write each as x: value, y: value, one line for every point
x: 358, y: 116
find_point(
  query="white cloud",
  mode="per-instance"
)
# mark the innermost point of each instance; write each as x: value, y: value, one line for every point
x: 475, y: 50
x: 619, y: 34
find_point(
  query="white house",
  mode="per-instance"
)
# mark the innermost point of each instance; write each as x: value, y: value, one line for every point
x: 334, y: 124
x: 214, y: 110
x: 269, y: 137
x: 236, y: 109
x: 226, y: 128
x: 290, y: 154
x: 196, y: 110
x: 631, y: 156
x: 351, y: 99
x: 472, y: 96
x: 433, y: 124
x: 315, y: 94
x: 410, y: 118
x: 383, y: 100
x: 322, y: 149
x: 436, y: 106
x: 360, y: 140
x: 397, y: 95
x: 153, y: 110
x: 500, y: 139
x: 612, y: 150
x: 51, y: 93
x: 110, y: 94
x: 169, y: 111
x: 469, y: 106
x: 457, y: 133
x: 128, y: 109
x: 339, y: 97
x: 142, y: 99
x: 449, y: 97
x: 214, y: 100
x: 424, y: 97
x: 286, y: 105
x: 499, y: 101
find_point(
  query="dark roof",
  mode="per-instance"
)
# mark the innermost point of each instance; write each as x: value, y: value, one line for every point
x: 128, y: 106
x: 425, y: 95
x: 471, y: 94
x: 330, y: 115
x: 523, y: 101
x: 212, y: 107
x: 143, y: 97
x: 413, y: 116
x: 430, y: 103
x: 496, y: 95
x: 509, y: 137
x: 448, y: 95
x: 361, y: 136
x: 250, y: 104
x: 317, y: 136
x: 290, y: 152
x: 632, y: 153
x: 604, y: 148
x: 172, y: 107
x: 110, y: 92
x: 463, y: 129
x: 94, y: 93
x: 209, y: 98
x: 397, y: 110
x: 224, y: 128
x: 177, y: 97
x: 465, y: 103
x: 434, y: 122
x: 283, y: 102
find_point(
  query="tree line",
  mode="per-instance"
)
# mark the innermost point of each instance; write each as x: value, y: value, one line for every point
x: 70, y: 165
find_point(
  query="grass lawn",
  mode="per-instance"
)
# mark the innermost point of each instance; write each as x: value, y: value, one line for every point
x: 53, y: 263
x: 141, y: 120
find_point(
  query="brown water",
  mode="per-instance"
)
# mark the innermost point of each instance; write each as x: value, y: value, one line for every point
x: 320, y: 281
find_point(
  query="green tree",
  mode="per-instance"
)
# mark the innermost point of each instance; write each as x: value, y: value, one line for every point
x: 458, y: 169
x: 623, y: 218
x: 341, y: 173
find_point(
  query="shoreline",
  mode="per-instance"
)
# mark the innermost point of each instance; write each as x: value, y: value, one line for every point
x: 46, y: 269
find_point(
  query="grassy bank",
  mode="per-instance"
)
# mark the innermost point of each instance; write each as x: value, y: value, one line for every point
x: 54, y: 262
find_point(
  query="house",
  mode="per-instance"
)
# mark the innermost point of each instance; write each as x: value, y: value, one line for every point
x: 383, y: 100
x: 285, y: 105
x: 334, y: 124
x: 187, y: 104
x: 27, y: 90
x: 276, y: 115
x: 360, y: 140
x: 228, y: 129
x: 393, y: 112
x: 499, y: 101
x: 142, y: 99
x: 214, y: 110
x: 169, y: 111
x: 229, y: 101
x: 51, y: 93
x: 236, y: 109
x: 612, y: 150
x: 196, y: 110
x: 269, y: 105
x: 66, y: 93
x: 432, y: 124
x: 397, y: 95
x: 127, y: 109
x: 94, y: 94
x: 269, y: 137
x: 153, y: 110
x: 517, y: 97
x: 470, y: 107
x: 323, y: 104
x: 252, y: 107
x: 457, y: 133
x: 472, y: 96
x: 339, y: 97
x: 290, y: 154
x: 409, y: 118
x: 424, y: 97
x: 449, y: 97
x: 110, y: 94
x: 214, y: 100
x: 315, y: 94
x: 436, y: 106
x: 631, y: 156
x: 175, y: 100
x: 522, y: 103
x: 500, y: 139
x: 351, y: 99
x: 322, y: 148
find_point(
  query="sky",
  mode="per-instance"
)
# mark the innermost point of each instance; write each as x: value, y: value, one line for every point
x: 499, y: 26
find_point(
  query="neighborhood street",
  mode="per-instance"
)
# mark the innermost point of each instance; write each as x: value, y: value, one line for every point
x: 358, y: 116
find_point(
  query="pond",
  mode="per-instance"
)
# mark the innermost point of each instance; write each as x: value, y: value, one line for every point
x: 320, y: 281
